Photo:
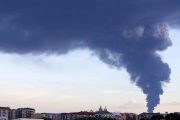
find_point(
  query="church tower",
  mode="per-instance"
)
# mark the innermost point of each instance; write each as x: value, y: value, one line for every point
x: 100, y: 108
x: 105, y: 109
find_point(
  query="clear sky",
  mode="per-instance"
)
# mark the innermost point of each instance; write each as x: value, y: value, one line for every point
x: 79, y: 81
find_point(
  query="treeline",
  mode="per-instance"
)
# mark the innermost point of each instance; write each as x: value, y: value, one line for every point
x: 94, y: 118
x: 171, y: 116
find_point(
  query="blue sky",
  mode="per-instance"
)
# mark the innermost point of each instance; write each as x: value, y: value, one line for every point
x: 80, y: 81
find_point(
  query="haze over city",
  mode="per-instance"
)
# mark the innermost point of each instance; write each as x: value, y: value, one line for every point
x: 66, y: 56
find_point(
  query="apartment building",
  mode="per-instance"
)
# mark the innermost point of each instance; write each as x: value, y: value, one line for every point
x: 25, y: 113
x: 4, y: 113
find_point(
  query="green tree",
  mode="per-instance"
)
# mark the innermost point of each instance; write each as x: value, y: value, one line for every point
x: 173, y: 116
x: 157, y: 117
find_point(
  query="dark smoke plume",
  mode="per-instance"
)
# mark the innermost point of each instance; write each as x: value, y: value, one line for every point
x: 123, y: 33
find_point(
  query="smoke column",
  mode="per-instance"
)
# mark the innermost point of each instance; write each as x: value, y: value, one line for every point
x: 139, y: 57
x: 122, y: 33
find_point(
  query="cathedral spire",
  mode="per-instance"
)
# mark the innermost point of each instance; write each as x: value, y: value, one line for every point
x: 105, y: 109
x: 100, y: 108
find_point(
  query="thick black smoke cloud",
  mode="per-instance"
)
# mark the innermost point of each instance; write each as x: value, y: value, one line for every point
x: 123, y: 33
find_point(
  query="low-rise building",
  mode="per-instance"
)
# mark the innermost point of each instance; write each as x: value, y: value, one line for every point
x: 38, y: 116
x: 27, y: 119
x: 65, y: 116
x: 25, y: 113
x: 4, y: 113
x: 12, y: 114
x: 82, y: 114
x: 51, y: 116
x: 147, y: 115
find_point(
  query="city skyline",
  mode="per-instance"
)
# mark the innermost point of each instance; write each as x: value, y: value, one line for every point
x: 6, y: 113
